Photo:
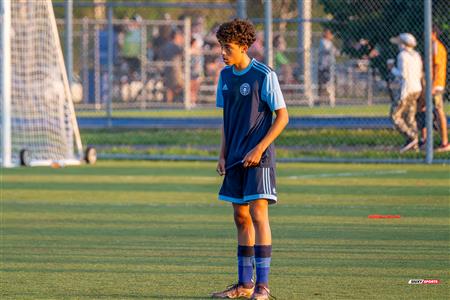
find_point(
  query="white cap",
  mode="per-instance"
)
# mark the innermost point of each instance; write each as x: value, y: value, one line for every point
x: 404, y: 38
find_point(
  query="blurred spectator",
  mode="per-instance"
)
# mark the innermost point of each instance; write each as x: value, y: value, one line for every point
x: 377, y: 61
x: 150, y: 51
x: 327, y: 64
x: 279, y: 45
x: 163, y: 37
x: 212, y: 55
x: 198, y: 30
x: 210, y: 38
x: 256, y: 50
x: 369, y: 55
x: 409, y: 71
x: 103, y: 35
x: 439, y: 74
x: 214, y: 63
x: 101, y: 73
x: 393, y: 82
x: 197, y: 62
x: 361, y: 50
x: 282, y: 64
x: 131, y: 50
x: 171, y: 53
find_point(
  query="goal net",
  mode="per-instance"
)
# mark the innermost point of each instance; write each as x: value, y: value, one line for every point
x: 41, y: 115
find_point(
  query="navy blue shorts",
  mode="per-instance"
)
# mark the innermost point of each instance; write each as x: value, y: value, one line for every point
x: 242, y: 185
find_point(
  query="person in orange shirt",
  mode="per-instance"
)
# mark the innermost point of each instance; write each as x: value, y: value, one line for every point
x: 439, y: 73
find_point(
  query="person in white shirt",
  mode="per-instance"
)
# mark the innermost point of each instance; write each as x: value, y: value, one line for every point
x: 326, y: 66
x: 409, y: 71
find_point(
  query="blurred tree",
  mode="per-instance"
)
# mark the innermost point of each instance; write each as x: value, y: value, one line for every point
x: 147, y: 13
x: 99, y: 9
x: 287, y: 10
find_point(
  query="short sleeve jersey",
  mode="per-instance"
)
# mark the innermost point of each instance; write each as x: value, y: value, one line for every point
x: 248, y: 99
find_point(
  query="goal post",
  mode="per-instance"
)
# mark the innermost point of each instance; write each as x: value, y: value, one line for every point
x: 39, y: 125
x: 5, y: 83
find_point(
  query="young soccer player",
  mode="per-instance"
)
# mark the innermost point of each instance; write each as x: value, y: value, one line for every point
x: 249, y: 93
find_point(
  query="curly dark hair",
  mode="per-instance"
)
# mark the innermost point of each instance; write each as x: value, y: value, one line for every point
x: 237, y: 31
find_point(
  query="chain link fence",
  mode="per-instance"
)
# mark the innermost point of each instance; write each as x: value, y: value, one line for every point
x: 163, y: 59
x: 138, y: 65
x: 331, y: 57
x: 359, y: 46
x: 338, y: 56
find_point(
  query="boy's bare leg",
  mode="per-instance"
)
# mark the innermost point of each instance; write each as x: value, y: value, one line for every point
x: 246, y: 241
x: 244, y: 225
x: 263, y: 247
x: 443, y: 128
x: 259, y: 211
x: 443, y: 121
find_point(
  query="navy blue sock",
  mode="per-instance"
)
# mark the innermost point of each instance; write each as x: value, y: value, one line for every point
x: 245, y: 256
x: 263, y: 254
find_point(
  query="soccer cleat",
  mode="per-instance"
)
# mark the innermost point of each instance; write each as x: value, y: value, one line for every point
x: 412, y: 144
x: 262, y: 293
x: 443, y: 148
x: 234, y: 291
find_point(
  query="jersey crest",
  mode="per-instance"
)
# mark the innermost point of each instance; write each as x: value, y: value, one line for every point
x: 244, y: 89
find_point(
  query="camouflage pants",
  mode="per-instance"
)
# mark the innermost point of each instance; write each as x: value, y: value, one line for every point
x: 403, y: 115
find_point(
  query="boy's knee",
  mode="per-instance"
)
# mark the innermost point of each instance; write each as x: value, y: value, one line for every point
x: 242, y: 219
x: 259, y: 221
x: 259, y: 217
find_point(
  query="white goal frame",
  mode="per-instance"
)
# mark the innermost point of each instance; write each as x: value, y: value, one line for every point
x: 5, y: 88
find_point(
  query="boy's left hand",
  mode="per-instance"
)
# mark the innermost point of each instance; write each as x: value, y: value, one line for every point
x: 252, y: 158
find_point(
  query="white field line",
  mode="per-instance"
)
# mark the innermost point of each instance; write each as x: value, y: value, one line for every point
x: 347, y: 174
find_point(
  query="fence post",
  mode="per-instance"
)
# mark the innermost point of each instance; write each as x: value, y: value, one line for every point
x: 369, y: 86
x: 241, y: 9
x: 110, y: 66
x: 268, y: 49
x: 144, y: 65
x: 332, y: 85
x: 428, y: 80
x: 350, y: 82
x: 85, y: 59
x: 187, y: 63
x: 69, y: 40
x: 304, y: 47
x: 97, y: 95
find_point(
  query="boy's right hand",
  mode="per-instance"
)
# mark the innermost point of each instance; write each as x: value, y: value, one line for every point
x: 221, y: 166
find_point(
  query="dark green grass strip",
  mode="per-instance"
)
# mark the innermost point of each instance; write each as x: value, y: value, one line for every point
x: 312, y: 143
x: 211, y: 137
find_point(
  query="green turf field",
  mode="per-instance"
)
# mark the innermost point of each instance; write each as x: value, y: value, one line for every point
x: 154, y: 230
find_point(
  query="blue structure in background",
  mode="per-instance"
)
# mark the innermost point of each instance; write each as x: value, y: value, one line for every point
x: 103, y: 60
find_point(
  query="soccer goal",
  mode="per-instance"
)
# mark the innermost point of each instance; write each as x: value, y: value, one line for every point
x: 38, y: 124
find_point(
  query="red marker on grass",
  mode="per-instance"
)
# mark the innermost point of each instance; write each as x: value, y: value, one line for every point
x: 384, y: 216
